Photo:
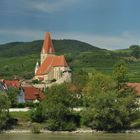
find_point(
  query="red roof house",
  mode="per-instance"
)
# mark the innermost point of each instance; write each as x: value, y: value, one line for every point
x: 136, y: 87
x: 32, y: 93
x: 12, y: 83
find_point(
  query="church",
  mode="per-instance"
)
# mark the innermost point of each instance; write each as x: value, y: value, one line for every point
x: 52, y: 68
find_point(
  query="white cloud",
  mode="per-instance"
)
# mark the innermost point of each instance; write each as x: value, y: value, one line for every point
x: 50, y: 6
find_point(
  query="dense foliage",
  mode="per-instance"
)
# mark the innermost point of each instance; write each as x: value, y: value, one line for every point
x: 105, y: 105
x: 57, y: 109
x: 120, y: 74
x: 109, y: 106
x: 12, y: 96
x: 4, y: 110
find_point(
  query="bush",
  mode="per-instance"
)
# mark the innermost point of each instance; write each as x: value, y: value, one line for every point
x: 37, y: 114
x: 10, y: 123
x: 4, y: 110
x: 68, y: 126
x: 135, y: 123
x: 35, y: 129
x: 58, y: 109
x: 30, y: 104
x: 52, y: 125
x: 20, y: 105
x: 55, y: 125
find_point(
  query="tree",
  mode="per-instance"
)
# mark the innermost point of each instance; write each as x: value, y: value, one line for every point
x: 120, y: 74
x: 135, y: 51
x: 79, y: 79
x: 4, y: 110
x: 97, y: 83
x: 106, y: 107
x: 37, y: 113
x: 12, y: 95
x: 58, y: 108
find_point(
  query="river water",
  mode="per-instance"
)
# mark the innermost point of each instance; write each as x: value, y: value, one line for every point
x: 69, y: 136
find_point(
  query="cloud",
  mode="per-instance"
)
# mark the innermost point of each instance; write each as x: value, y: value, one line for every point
x: 50, y: 6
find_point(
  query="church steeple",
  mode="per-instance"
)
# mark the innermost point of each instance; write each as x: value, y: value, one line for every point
x: 47, y: 48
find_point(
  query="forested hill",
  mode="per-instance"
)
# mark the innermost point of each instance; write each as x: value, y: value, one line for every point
x: 19, y: 58
x: 15, y: 49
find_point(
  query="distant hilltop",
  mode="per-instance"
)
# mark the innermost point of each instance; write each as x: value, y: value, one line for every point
x: 27, y: 48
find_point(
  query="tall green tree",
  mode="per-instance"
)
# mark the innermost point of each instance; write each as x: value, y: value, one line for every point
x: 4, y: 110
x: 97, y: 83
x: 106, y: 107
x: 120, y: 74
x: 12, y: 95
x: 135, y: 51
x: 58, y: 108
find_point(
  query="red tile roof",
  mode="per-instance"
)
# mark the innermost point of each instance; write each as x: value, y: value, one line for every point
x: 48, y: 45
x: 51, y: 61
x: 32, y: 93
x: 136, y: 86
x: 12, y: 83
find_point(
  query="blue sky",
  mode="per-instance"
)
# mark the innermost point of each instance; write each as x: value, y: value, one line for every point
x: 110, y: 24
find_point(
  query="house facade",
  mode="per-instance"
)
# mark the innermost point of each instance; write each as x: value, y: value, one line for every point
x: 51, y: 67
x: 25, y: 93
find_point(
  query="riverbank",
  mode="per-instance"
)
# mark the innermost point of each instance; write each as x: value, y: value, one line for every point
x: 70, y: 132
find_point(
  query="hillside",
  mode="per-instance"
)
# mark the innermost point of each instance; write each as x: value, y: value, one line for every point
x: 19, y: 58
x: 28, y: 48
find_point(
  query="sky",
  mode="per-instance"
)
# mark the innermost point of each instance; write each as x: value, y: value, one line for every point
x: 110, y: 24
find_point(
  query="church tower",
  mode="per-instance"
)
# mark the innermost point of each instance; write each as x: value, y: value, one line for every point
x: 47, y: 48
x: 36, y: 67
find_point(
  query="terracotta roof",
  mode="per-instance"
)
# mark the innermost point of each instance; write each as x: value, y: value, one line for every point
x: 51, y: 61
x: 48, y: 45
x: 32, y: 93
x: 12, y: 83
x: 136, y: 86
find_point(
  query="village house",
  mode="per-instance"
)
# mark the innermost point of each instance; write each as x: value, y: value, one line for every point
x: 52, y: 67
x: 26, y: 93
x: 136, y: 87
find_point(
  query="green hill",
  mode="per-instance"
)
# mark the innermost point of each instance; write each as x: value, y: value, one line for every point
x: 19, y: 58
x: 28, y: 48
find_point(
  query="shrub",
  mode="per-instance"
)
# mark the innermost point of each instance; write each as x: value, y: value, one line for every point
x: 68, y: 126
x: 4, y: 107
x: 35, y: 128
x: 52, y: 125
x: 56, y: 125
x: 21, y: 105
x: 37, y: 114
